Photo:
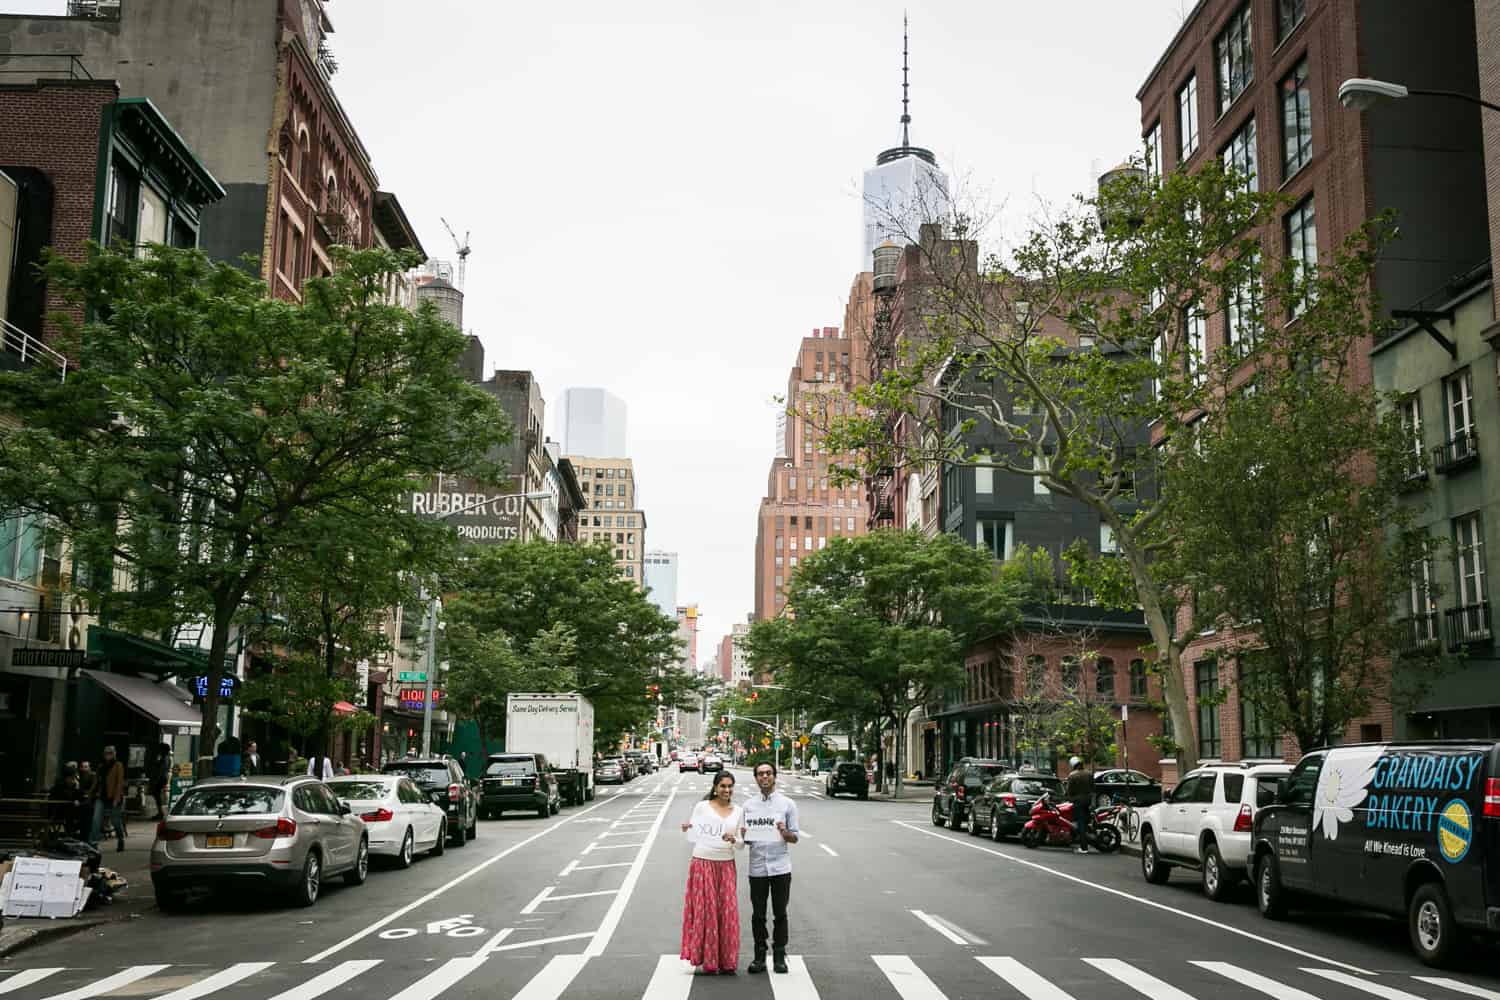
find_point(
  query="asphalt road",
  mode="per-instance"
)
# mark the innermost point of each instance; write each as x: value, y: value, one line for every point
x: 884, y: 905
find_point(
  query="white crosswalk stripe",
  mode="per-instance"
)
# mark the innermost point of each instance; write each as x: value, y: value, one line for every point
x: 331, y: 979
x: 25, y: 978
x: 217, y: 981
x: 672, y: 980
x: 1142, y: 982
x: 1028, y: 983
x: 435, y: 982
x: 795, y: 983
x: 1254, y: 980
x: 110, y: 983
x: 1459, y: 987
x: 1365, y: 985
x: 909, y: 981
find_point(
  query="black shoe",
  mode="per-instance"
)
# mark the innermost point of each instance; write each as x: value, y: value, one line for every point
x: 780, y: 963
x: 759, y: 963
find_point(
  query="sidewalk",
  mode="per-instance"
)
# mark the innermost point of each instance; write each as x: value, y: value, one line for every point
x: 919, y: 792
x: 133, y: 864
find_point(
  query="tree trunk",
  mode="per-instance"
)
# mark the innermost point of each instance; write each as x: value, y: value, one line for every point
x: 1174, y: 685
x: 900, y: 757
x: 219, y: 645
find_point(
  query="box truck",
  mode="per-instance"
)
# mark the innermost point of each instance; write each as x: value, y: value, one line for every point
x: 560, y: 727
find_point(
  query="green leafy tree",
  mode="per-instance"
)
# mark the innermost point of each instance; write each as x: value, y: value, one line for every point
x: 1091, y: 331
x: 209, y: 426
x: 296, y: 696
x: 568, y: 607
x: 879, y: 623
x: 485, y: 667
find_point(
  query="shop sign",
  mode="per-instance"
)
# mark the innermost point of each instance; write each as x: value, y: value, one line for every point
x: 41, y: 657
x: 417, y: 697
x: 228, y: 685
x: 477, y: 513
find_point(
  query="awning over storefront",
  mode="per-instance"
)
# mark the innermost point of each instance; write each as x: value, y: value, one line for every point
x: 164, y: 703
x: 142, y: 653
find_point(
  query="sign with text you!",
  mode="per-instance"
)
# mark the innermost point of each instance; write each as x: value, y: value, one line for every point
x: 490, y: 514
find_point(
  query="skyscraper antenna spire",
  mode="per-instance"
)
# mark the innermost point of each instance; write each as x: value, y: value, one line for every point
x: 905, y: 85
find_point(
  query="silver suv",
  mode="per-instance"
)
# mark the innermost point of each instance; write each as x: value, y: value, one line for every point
x: 282, y: 834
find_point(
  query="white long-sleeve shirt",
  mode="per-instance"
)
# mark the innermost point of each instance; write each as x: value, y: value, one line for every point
x: 708, y: 829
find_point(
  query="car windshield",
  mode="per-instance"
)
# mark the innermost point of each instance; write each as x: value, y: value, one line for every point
x: 1035, y: 786
x: 422, y: 774
x: 1265, y: 789
x: 987, y: 771
x: 359, y: 789
x: 517, y: 765
x: 235, y: 801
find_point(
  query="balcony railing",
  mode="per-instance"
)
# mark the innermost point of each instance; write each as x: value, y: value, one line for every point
x: 1419, y: 633
x: 883, y: 497
x: 1458, y: 452
x: 1469, y: 625
x: 17, y: 344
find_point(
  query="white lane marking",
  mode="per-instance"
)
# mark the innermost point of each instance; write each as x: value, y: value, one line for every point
x: 435, y: 982
x: 596, y: 846
x: 26, y: 977
x: 796, y: 984
x: 572, y: 866
x: 555, y: 977
x: 969, y: 843
x: 396, y: 914
x: 1141, y: 982
x: 829, y: 850
x: 493, y: 943
x: 537, y: 900
x: 1028, y: 983
x: 217, y: 981
x: 1256, y: 981
x: 617, y: 908
x: 612, y: 864
x: 581, y: 895
x: 325, y: 981
x: 672, y: 980
x: 538, y: 942
x: 622, y: 833
x: 909, y: 981
x: 1458, y: 986
x: 110, y: 983
x: 945, y: 932
x: 1374, y: 989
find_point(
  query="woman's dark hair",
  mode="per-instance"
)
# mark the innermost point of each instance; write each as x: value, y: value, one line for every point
x: 715, y: 786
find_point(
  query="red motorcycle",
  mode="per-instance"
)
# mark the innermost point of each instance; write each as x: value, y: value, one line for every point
x: 1051, y: 823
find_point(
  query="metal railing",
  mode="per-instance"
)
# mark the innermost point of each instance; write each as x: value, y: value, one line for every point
x: 1460, y: 450
x: 1419, y: 632
x: 104, y: 10
x: 1469, y: 625
x: 18, y: 343
x: 16, y: 67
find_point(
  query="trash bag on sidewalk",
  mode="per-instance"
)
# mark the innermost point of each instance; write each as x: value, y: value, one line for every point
x: 68, y: 847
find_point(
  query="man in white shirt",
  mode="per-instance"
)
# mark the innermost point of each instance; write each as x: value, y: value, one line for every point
x: 770, y: 864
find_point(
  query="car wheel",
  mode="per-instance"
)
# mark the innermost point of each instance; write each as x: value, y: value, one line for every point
x: 995, y: 826
x: 1106, y: 839
x: 1430, y: 919
x: 474, y: 826
x: 1031, y: 836
x: 973, y: 824
x: 544, y: 810
x: 460, y: 836
x: 403, y: 860
x: 1270, y: 895
x: 1217, y: 882
x: 311, y: 882
x: 1153, y: 868
x: 556, y: 808
x: 361, y: 869
x: 588, y: 796
x: 937, y: 816
x: 441, y: 844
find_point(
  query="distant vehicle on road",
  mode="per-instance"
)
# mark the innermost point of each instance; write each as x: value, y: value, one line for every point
x: 560, y: 727
x: 519, y: 781
x: 398, y: 818
x: 952, y: 795
x: 1004, y: 803
x: 847, y: 778
x: 687, y: 761
x: 710, y: 762
x: 444, y: 783
x: 609, y: 771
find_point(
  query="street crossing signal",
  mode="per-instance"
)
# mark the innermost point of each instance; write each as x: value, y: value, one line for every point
x: 723, y: 720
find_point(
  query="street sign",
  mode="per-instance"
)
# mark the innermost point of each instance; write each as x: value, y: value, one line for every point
x: 417, y: 697
x: 803, y: 739
x: 412, y: 675
x: 765, y: 741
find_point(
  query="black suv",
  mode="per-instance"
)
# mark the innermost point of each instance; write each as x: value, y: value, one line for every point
x: 848, y: 777
x: 442, y: 780
x: 519, y: 781
x: 952, y: 796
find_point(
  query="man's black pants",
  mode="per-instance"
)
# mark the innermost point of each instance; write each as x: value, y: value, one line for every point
x: 779, y: 888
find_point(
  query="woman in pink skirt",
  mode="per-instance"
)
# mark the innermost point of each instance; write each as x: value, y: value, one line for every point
x: 711, y: 909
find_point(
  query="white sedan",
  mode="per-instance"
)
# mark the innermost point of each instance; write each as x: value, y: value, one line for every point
x: 400, y: 819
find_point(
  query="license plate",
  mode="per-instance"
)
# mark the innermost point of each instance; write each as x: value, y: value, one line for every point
x: 220, y: 840
x: 510, y: 781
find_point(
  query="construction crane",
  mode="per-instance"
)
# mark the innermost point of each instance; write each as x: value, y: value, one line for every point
x: 462, y: 247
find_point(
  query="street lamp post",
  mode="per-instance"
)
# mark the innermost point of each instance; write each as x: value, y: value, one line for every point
x: 430, y: 658
x: 1362, y: 93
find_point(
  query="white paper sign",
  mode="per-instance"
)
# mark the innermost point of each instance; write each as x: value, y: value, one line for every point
x: 706, y: 832
x: 761, y: 830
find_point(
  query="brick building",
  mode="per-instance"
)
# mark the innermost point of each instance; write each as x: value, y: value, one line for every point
x: 614, y: 516
x: 1254, y: 83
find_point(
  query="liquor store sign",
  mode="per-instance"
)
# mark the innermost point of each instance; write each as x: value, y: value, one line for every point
x: 415, y: 697
x: 482, y: 516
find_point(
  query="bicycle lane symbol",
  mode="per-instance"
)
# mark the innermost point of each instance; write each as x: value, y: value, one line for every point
x: 461, y: 926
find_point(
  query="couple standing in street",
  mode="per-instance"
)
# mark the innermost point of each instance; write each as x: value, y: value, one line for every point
x: 767, y: 825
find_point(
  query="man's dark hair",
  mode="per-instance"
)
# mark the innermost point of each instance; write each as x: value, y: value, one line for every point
x: 715, y: 786
x: 766, y: 763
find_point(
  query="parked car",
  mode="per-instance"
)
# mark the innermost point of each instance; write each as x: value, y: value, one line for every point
x: 398, y: 818
x: 710, y: 762
x: 687, y: 761
x: 1127, y: 786
x: 1206, y: 824
x: 951, y: 796
x: 285, y: 834
x: 519, y: 781
x: 631, y: 771
x: 1004, y: 803
x: 644, y: 763
x: 847, y: 778
x: 609, y: 772
x: 444, y: 783
x: 1409, y: 829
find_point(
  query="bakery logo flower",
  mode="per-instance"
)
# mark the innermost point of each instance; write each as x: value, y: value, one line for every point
x: 1342, y: 785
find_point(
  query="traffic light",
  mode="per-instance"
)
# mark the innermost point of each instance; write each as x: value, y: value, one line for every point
x: 723, y: 720
x: 755, y: 696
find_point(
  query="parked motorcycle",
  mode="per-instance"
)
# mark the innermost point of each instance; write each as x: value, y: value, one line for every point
x: 1051, y: 823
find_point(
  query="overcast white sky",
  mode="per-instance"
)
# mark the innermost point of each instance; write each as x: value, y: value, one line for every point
x: 663, y: 196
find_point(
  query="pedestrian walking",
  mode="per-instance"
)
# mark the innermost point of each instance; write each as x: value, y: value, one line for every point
x: 227, y: 762
x: 161, y: 778
x: 770, y: 825
x: 88, y: 780
x: 711, y: 906
x: 251, y: 763
x: 109, y: 800
x: 1080, y: 791
x: 320, y: 767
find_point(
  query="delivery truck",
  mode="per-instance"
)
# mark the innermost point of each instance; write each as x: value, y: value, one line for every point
x: 561, y: 728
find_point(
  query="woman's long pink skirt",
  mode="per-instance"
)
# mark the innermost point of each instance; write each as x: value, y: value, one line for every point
x: 711, y: 916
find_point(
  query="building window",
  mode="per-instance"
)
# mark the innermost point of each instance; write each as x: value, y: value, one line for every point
x: 1289, y: 14
x: 1193, y: 328
x: 1107, y: 544
x: 1153, y: 150
x: 996, y: 536
x: 1232, y: 59
x: 1239, y: 156
x: 1468, y: 546
x: 1071, y: 675
x: 21, y: 548
x: 984, y: 480
x: 1411, y: 427
x: 1302, y: 247
x: 849, y: 524
x: 1257, y: 738
x: 1296, y: 120
x: 1458, y: 394
x: 1187, y: 119
x: 1206, y: 674
x: 1041, y: 464
x: 1242, y: 311
x: 778, y: 543
x: 1137, y: 679
x: 123, y: 206
x: 778, y: 579
x: 1104, y: 678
